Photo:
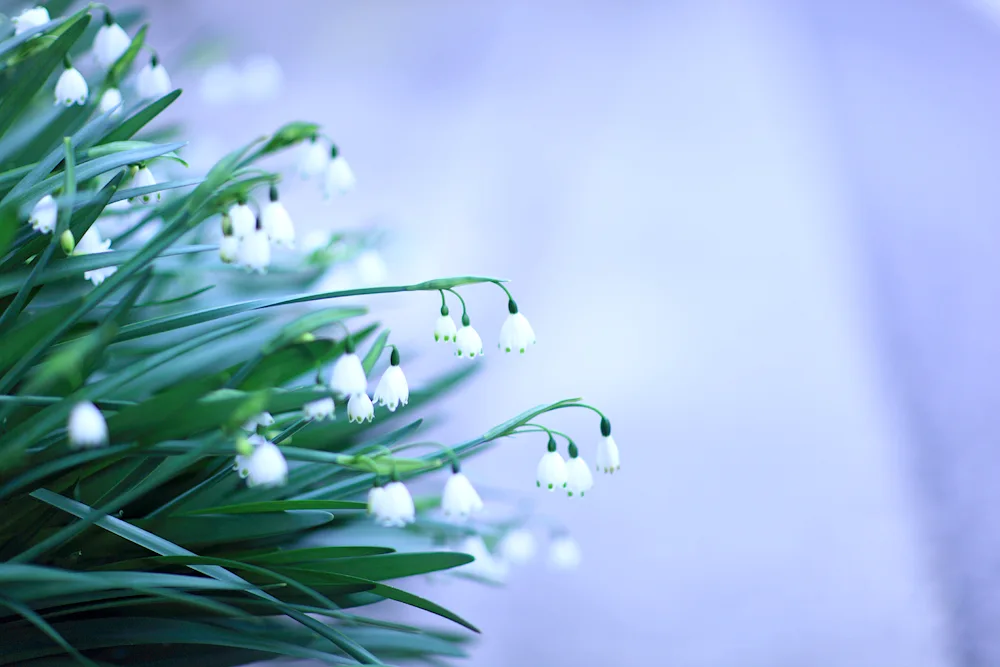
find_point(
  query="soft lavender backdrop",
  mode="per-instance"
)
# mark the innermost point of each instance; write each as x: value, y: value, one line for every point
x: 706, y: 209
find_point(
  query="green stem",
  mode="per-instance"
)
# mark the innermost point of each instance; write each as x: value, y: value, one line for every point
x: 465, y: 314
x: 500, y: 284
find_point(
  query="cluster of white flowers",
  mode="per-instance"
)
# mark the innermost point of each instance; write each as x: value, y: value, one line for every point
x: 319, y: 159
x: 554, y: 472
x: 348, y: 379
x: 517, y: 547
x: 516, y: 333
x: 247, y: 238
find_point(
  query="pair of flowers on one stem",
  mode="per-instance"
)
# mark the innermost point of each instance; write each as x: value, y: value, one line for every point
x: 516, y: 333
x: 518, y: 547
x: 554, y: 472
x: 318, y: 158
x: 247, y: 238
x: 392, y: 505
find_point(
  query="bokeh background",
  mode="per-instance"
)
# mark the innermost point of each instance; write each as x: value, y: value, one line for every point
x: 761, y: 235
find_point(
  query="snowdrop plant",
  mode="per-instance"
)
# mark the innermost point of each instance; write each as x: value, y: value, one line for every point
x: 170, y: 468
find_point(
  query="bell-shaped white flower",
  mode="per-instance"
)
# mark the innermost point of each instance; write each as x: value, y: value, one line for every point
x: 229, y: 249
x: 110, y: 43
x: 392, y: 389
x: 276, y: 222
x: 459, y: 498
x: 516, y: 334
x: 348, y: 377
x: 242, y: 219
x: 152, y: 81
x: 110, y: 99
x: 564, y: 553
x: 444, y: 328
x: 579, y: 479
x: 551, y: 472
x: 518, y: 546
x: 261, y: 78
x: 144, y: 178
x: 71, y: 88
x: 396, y: 508
x: 254, y: 253
x: 86, y: 426
x: 264, y: 419
x: 607, y: 450
x: 339, y: 177
x: 319, y: 409
x: 360, y: 408
x: 315, y: 157
x: 467, y: 340
x: 90, y: 244
x: 43, y: 215
x: 485, y: 564
x: 376, y: 498
x: 266, y: 466
x: 30, y: 18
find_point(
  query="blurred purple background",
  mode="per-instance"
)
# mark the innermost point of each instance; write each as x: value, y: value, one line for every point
x: 762, y: 236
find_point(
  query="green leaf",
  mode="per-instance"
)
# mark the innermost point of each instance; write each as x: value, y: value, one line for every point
x: 8, y: 45
x: 390, y: 566
x: 375, y: 352
x: 313, y: 554
x: 33, y: 73
x: 70, y: 267
x: 121, y: 67
x: 309, y: 323
x: 140, y: 118
x: 224, y: 529
x: 289, y: 135
x: 281, y: 506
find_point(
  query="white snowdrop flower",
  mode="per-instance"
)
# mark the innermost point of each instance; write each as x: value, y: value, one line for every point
x: 43, y: 215
x: 276, y: 222
x: 551, y: 472
x: 30, y: 18
x: 242, y: 219
x: 92, y: 244
x: 263, y: 419
x: 254, y: 252
x: 110, y: 43
x: 396, y: 507
x: 315, y: 157
x: 261, y: 78
x: 565, y: 553
x: 348, y: 376
x: 459, y: 499
x: 266, y: 466
x: 392, y: 389
x: 110, y: 99
x: 229, y: 249
x: 360, y: 408
x: 152, y: 81
x: 467, y: 340
x: 518, y: 546
x: 485, y: 564
x: 516, y: 334
x: 371, y: 269
x: 376, y: 498
x: 319, y: 410
x: 339, y: 177
x: 71, y: 88
x: 579, y: 479
x: 144, y: 178
x: 444, y: 328
x: 607, y: 450
x: 242, y: 465
x: 220, y: 83
x: 86, y: 426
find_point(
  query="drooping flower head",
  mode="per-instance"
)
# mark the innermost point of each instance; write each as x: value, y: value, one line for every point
x: 44, y: 214
x: 110, y: 99
x: 339, y: 177
x: 152, y: 81
x: 110, y: 43
x: 360, y: 408
x: 607, y: 451
x: 29, y: 19
x: 266, y: 466
x: 86, y: 426
x: 254, y: 252
x: 315, y: 157
x: 516, y: 334
x: 444, y: 328
x: 468, y: 343
x: 319, y: 409
x: 392, y: 390
x: 459, y: 499
x: 579, y: 479
x: 396, y: 508
x: 144, y: 178
x: 71, y: 88
x: 276, y: 222
x: 551, y: 472
x: 348, y: 377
